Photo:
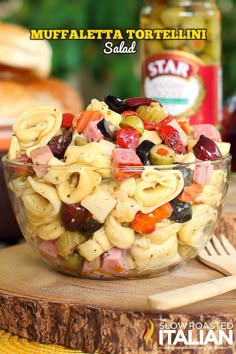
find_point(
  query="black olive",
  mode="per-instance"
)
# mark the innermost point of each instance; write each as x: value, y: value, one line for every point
x: 206, y: 149
x: 182, y: 212
x: 116, y: 104
x: 187, y: 174
x: 89, y: 227
x: 107, y: 129
x: 73, y: 215
x: 59, y: 143
x: 143, y: 150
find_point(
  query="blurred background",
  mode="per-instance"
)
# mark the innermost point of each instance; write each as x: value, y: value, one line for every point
x: 82, y: 62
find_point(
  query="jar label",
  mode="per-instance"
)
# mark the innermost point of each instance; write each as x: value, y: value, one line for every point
x: 184, y: 85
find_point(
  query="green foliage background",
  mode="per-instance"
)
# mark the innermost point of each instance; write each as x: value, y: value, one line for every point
x: 83, y: 63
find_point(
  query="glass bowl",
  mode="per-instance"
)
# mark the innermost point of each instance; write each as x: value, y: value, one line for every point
x: 114, y: 223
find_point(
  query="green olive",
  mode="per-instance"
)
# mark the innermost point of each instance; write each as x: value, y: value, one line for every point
x: 134, y: 122
x: 152, y: 113
x: 161, y: 155
x: 213, y: 50
x: 69, y: 241
x: 79, y: 141
x: 196, y: 21
x: 152, y: 46
x: 172, y: 43
x: 171, y: 16
x: 213, y: 28
x: 72, y: 263
x: 196, y: 45
x: 155, y: 24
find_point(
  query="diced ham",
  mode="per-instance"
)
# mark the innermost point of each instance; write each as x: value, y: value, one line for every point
x: 92, y: 132
x: 123, y: 162
x: 90, y: 267
x: 208, y: 130
x: 183, y: 135
x: 48, y: 251
x: 87, y: 267
x: 203, y: 173
x: 114, y: 261
x: 41, y: 156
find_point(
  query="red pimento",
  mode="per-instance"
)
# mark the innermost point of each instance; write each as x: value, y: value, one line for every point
x: 162, y: 151
x: 127, y: 138
x: 170, y: 136
x: 67, y: 119
x: 145, y: 223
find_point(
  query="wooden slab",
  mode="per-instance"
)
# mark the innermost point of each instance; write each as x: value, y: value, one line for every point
x: 105, y: 316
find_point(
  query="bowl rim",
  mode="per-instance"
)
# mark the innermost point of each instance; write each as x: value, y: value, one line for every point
x: 223, y: 159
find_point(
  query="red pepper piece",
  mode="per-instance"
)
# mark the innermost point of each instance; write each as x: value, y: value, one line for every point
x: 154, y: 125
x: 127, y: 138
x: 67, y: 119
x: 149, y: 125
x: 129, y: 113
x: 145, y: 223
x: 171, y: 137
x: 165, y: 121
x: 190, y: 193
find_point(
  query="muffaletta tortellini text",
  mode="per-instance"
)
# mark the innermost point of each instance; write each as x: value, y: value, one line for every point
x: 120, y: 190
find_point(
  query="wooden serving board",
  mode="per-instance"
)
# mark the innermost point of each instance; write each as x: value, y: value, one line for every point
x: 98, y: 316
x: 108, y: 317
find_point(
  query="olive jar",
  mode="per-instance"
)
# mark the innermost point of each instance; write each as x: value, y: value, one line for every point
x: 181, y: 57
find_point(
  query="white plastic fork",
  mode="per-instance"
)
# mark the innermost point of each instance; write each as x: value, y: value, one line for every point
x: 218, y: 254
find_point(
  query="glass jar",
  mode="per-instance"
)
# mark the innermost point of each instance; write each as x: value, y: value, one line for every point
x: 9, y: 230
x: 181, y: 58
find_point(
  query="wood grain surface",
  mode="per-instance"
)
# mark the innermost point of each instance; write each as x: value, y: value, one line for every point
x: 105, y: 316
x: 108, y: 317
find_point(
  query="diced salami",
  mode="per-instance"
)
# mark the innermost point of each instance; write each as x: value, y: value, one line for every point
x: 92, y: 132
x: 114, y: 261
x: 125, y: 157
x: 124, y: 161
x: 41, y: 156
x: 208, y: 130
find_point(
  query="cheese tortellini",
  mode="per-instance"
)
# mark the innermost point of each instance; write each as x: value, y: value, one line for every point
x: 35, y: 127
x: 157, y: 187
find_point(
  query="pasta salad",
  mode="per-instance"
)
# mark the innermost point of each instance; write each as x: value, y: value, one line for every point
x: 120, y: 190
